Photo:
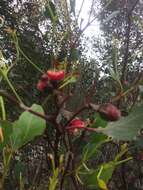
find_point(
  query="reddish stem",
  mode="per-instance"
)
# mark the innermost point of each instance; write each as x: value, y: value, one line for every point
x: 85, y: 128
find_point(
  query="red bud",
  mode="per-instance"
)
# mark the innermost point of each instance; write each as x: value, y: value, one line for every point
x: 109, y: 112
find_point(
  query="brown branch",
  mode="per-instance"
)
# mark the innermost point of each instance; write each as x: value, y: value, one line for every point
x: 25, y: 108
x: 135, y: 85
x: 76, y: 113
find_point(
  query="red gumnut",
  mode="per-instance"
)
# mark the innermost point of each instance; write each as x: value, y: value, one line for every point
x: 74, y: 125
x: 41, y: 85
x: 109, y: 112
x: 56, y: 75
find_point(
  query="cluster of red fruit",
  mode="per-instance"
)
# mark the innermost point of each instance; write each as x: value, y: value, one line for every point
x: 108, y: 111
x: 52, y: 76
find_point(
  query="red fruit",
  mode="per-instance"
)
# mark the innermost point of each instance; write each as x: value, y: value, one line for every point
x: 77, y: 123
x: 109, y: 112
x: 56, y: 75
x: 41, y: 85
x: 74, y: 125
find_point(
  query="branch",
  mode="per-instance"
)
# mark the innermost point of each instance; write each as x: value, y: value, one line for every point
x: 80, y: 9
x: 97, y: 130
x: 75, y: 114
x: 134, y: 5
x: 88, y: 24
x: 134, y: 85
x: 25, y: 108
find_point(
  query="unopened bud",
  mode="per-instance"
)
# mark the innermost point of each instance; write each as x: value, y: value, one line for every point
x: 109, y: 112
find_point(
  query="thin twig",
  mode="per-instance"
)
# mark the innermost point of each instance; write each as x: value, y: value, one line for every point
x: 80, y: 9
x: 66, y: 169
x: 85, y: 128
x: 76, y: 113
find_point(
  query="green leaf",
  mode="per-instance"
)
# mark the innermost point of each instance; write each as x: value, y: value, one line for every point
x: 100, y: 176
x: 127, y: 128
x: 99, y: 122
x: 98, y: 137
x: 27, y: 127
x: 90, y: 179
x: 108, y: 169
x: 7, y: 130
x: 89, y: 150
x: 92, y: 148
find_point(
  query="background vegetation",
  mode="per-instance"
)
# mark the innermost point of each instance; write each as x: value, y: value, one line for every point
x: 37, y: 151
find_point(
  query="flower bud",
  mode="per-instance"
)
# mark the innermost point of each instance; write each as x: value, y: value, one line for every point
x: 109, y: 112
